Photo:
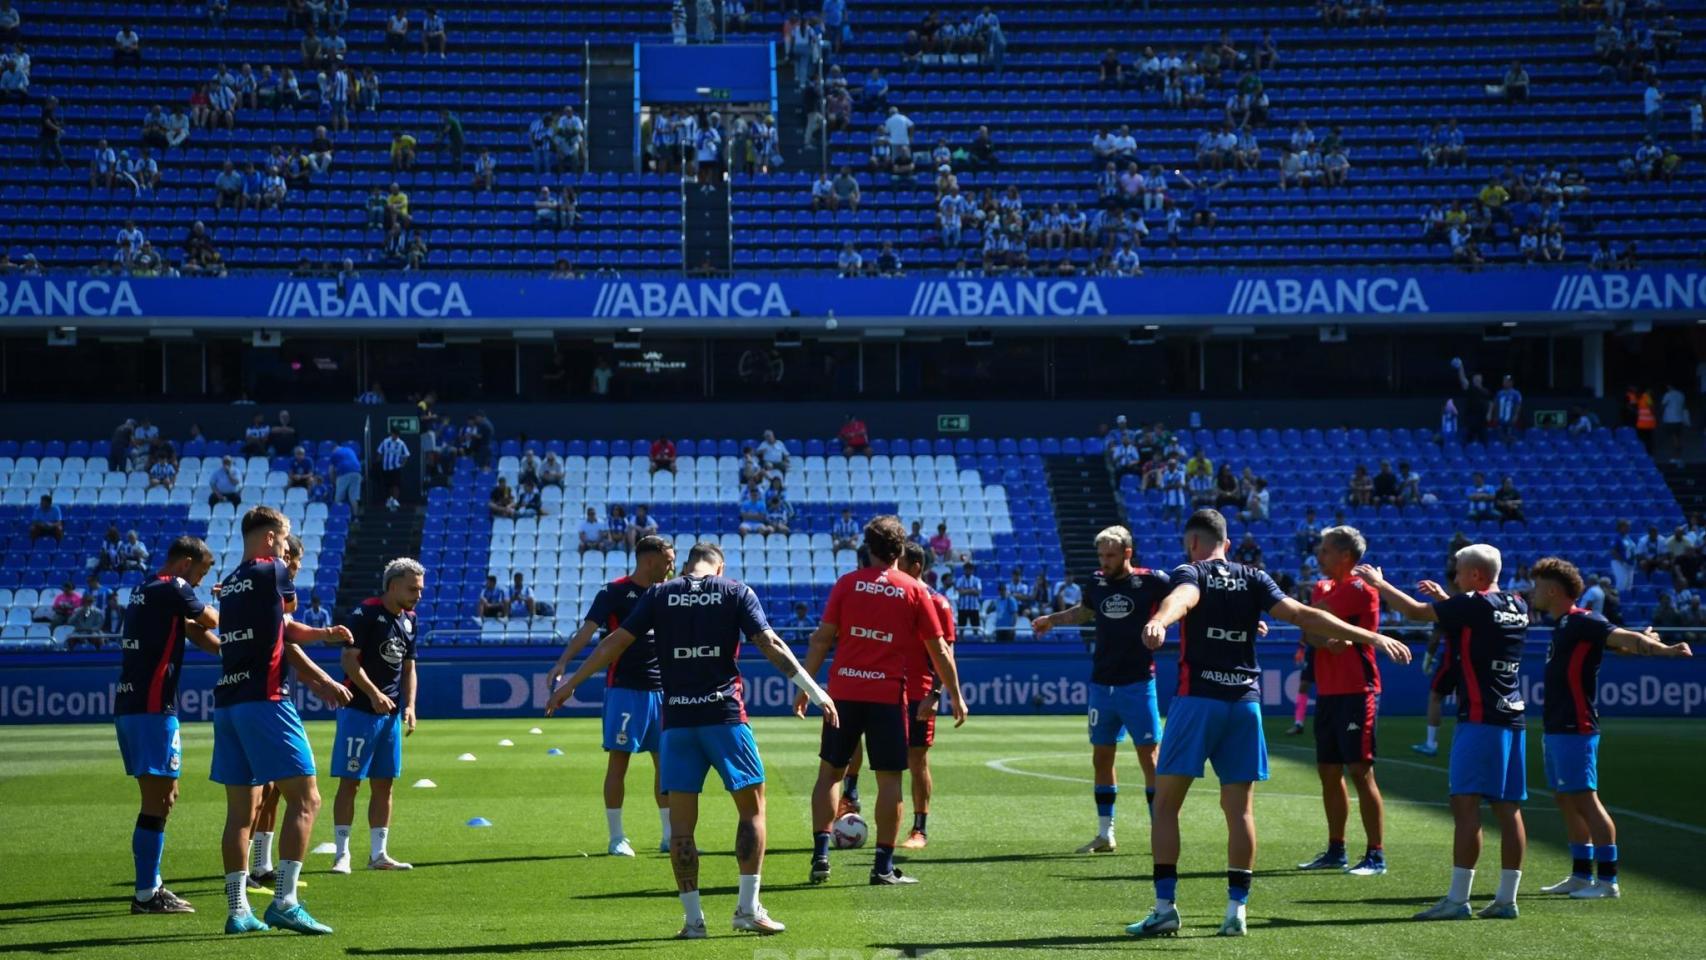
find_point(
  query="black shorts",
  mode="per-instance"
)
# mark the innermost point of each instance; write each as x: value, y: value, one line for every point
x: 919, y: 733
x: 883, y: 725
x: 1344, y: 727
x: 1444, y: 682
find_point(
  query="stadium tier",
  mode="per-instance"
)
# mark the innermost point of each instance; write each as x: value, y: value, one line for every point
x: 1368, y: 93
x: 93, y: 500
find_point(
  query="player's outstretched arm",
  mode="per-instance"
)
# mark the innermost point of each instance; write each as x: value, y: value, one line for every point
x: 296, y: 633
x: 1070, y: 617
x: 1178, y: 603
x: 202, y: 637
x: 601, y: 657
x: 1645, y: 644
x: 1323, y: 624
x: 328, y: 689
x: 780, y: 657
x: 942, y: 657
x: 1407, y: 606
x: 817, y: 651
x: 351, y: 662
x: 576, y: 644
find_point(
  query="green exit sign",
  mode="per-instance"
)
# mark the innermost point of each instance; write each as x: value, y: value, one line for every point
x: 1551, y: 418
x: 953, y: 422
x: 403, y: 424
x: 715, y: 93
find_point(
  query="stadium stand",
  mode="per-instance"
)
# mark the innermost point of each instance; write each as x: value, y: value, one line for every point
x: 1375, y: 88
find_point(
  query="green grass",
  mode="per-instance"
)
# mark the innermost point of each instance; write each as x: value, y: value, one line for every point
x: 999, y: 878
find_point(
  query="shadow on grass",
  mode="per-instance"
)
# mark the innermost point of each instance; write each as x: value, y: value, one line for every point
x: 91, y: 943
x: 477, y: 949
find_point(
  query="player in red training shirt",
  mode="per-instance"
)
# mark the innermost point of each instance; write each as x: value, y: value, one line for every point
x: 923, y: 694
x: 876, y: 612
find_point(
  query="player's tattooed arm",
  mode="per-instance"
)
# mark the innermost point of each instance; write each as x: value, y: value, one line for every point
x: 297, y: 633
x: 1407, y: 606
x: 1320, y: 623
x: 1070, y: 617
x: 1645, y: 644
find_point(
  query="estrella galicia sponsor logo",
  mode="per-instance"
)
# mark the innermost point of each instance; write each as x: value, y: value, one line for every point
x: 703, y: 299
x: 1007, y: 298
x: 1622, y: 291
x: 1116, y: 606
x: 1345, y: 296
x: 68, y: 298
x: 425, y: 299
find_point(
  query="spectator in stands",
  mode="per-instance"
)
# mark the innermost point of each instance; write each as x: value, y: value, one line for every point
x: 778, y: 513
x: 1068, y: 594
x: 1480, y: 497
x: 1653, y: 107
x: 49, y: 131
x: 522, y: 605
x: 752, y: 511
x: 845, y: 533
x: 109, y: 553
x: 228, y: 188
x: 132, y: 554
x: 15, y: 76
x: 226, y: 485
x: 494, y: 600
x: 1225, y: 492
x: 402, y: 151
x: 1110, y: 71
x: 344, y: 474
x: 968, y: 598
x: 854, y: 437
x: 1256, y: 501
x: 641, y: 525
x: 397, y: 32
x: 103, y: 165
x: 367, y: 91
x: 1249, y: 552
x: 1515, y: 85
x: 9, y: 21
x: 273, y: 189
x: 1385, y: 488
x: 551, y: 470
x: 844, y: 191
x: 1507, y: 501
x: 127, y: 47
x: 47, y: 521
x: 941, y: 544
x: 663, y: 454
x: 162, y: 473
x: 485, y: 172
x: 1452, y: 148
x: 87, y: 622
x: 773, y: 453
x: 256, y: 436
x: 282, y: 435
x: 1001, y: 614
x: 141, y: 171
x: 319, y: 155
x: 501, y: 503
x: 451, y: 138
x: 918, y: 536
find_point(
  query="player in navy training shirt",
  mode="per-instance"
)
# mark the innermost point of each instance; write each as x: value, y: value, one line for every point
x: 161, y: 614
x: 699, y: 619
x: 633, y: 692
x: 1119, y: 599
x: 379, y: 670
x: 1217, y: 715
x: 1579, y: 640
x: 1484, y: 630
x: 257, y: 734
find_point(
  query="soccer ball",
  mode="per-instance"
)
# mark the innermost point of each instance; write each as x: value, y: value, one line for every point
x: 849, y: 831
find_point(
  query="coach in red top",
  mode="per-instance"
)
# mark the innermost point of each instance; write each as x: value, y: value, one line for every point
x: 663, y: 454
x: 876, y: 612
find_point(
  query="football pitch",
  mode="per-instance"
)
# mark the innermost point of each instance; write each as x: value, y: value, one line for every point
x: 999, y: 878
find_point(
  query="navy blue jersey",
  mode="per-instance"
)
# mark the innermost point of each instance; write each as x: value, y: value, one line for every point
x: 154, y: 645
x: 1486, y: 632
x: 700, y: 622
x: 384, y: 641
x: 1572, y: 672
x: 1217, y: 639
x: 251, y: 632
x: 1122, y: 607
x: 637, y: 667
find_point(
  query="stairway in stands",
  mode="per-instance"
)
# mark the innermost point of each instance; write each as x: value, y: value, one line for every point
x: 1084, y: 503
x: 1688, y: 482
x: 376, y: 538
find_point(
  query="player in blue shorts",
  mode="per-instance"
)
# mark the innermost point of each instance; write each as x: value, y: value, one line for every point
x: 1217, y: 715
x: 262, y: 876
x: 699, y: 619
x: 257, y: 735
x: 161, y: 614
x: 1484, y: 630
x: 1579, y: 641
x: 633, y: 694
x: 1120, y: 599
x: 379, y: 670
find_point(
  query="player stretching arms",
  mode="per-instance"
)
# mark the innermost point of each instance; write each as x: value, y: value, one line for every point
x: 633, y: 698
x: 1484, y: 629
x: 1217, y: 715
x: 1572, y: 722
x: 700, y: 618
x: 1347, y: 699
x: 161, y: 613
x: 874, y: 612
x: 257, y: 734
x: 924, y: 688
x: 1120, y: 599
x: 261, y: 873
x: 379, y: 671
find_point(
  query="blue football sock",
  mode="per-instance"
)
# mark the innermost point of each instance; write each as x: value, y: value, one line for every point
x: 147, y: 846
x: 1166, y: 881
x: 1238, y: 885
x: 885, y: 859
x: 1606, y: 859
x: 1581, y: 861
x: 820, y: 845
x: 1105, y: 797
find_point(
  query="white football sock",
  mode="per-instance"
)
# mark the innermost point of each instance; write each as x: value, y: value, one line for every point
x: 1508, y: 880
x: 237, y: 893
x: 340, y: 838
x: 1433, y: 734
x: 1236, y: 908
x: 1162, y: 906
x: 377, y: 837
x: 1462, y: 878
x: 284, y: 894
x: 1104, y: 826
x: 613, y: 818
x: 748, y: 893
x: 663, y: 818
x: 260, y: 854
x: 690, y: 906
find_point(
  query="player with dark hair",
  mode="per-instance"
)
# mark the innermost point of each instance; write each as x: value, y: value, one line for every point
x: 161, y: 614
x: 1347, y: 702
x: 633, y: 693
x: 1217, y: 715
x: 1579, y: 641
x: 872, y: 615
x: 1484, y: 629
x: 379, y: 670
x: 262, y: 876
x: 700, y: 618
x: 257, y: 734
x: 923, y: 688
x: 1119, y: 599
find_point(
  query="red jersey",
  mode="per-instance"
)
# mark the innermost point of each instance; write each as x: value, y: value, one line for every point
x: 920, y: 671
x: 1353, y: 670
x: 879, y: 616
